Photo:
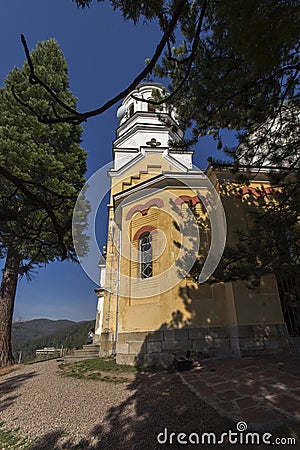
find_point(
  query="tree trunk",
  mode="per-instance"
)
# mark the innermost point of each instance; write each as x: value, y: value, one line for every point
x: 7, y: 300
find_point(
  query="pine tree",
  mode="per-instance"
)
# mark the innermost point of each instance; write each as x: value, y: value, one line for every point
x: 41, y: 173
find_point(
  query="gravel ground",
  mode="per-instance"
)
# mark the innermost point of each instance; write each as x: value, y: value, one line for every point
x: 65, y: 413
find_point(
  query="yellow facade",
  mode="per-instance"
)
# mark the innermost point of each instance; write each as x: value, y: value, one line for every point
x: 146, y: 320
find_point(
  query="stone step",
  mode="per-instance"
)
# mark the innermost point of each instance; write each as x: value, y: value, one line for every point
x: 82, y: 350
x: 91, y: 347
x: 81, y: 355
x: 89, y: 351
x: 75, y: 358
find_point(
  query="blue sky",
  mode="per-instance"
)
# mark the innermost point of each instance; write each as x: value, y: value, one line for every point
x: 104, y: 53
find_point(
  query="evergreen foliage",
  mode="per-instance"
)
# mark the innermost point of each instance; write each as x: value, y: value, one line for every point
x: 46, y: 160
x: 68, y: 338
x: 262, y: 239
x: 41, y: 173
x: 236, y: 67
x: 270, y: 243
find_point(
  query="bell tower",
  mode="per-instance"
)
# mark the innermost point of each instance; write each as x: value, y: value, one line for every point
x: 142, y: 151
x: 143, y: 125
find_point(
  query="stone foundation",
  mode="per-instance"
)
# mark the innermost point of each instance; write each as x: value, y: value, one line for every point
x: 146, y: 348
x: 107, y: 344
x: 263, y: 339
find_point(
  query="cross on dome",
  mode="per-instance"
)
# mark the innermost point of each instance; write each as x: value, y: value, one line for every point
x: 153, y: 143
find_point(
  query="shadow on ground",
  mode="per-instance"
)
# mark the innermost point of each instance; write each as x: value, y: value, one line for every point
x: 8, y: 386
x: 157, y: 402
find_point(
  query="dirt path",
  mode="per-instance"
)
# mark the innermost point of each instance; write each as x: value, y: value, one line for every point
x: 71, y: 414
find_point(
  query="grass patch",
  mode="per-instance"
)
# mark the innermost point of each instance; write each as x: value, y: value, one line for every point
x: 9, y: 440
x: 99, y: 369
x: 156, y: 369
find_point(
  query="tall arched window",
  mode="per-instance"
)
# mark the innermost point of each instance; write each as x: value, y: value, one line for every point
x: 130, y: 110
x: 151, y: 107
x: 145, y: 248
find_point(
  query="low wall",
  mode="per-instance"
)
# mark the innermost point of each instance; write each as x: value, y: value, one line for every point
x: 146, y: 348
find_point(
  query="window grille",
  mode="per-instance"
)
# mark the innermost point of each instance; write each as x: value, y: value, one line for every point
x: 145, y: 248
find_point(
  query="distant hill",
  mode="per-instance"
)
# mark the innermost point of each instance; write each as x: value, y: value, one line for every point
x: 37, y: 328
x: 71, y: 335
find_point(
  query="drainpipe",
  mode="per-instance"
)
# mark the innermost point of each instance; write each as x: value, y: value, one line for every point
x: 118, y: 293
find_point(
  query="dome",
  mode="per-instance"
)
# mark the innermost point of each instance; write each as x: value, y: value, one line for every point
x: 121, y: 112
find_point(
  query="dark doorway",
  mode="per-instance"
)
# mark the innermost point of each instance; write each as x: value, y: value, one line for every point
x: 289, y: 291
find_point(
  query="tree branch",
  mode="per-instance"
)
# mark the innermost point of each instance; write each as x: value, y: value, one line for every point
x: 190, y: 59
x: 34, y: 79
x: 77, y: 117
x: 35, y: 199
x: 50, y: 191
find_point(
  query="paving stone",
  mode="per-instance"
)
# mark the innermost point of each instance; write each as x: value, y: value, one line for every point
x: 204, y: 390
x: 271, y: 373
x: 287, y: 403
x: 260, y: 415
x: 228, y: 406
x: 242, y: 380
x: 261, y: 391
x: 191, y: 377
x: 229, y: 395
x: 266, y: 381
x: 196, y: 380
x: 224, y: 373
x: 245, y: 369
x: 215, y: 380
x: 243, y: 364
x: 210, y: 372
x: 251, y: 389
x: 246, y: 402
x: 224, y: 386
x: 287, y: 379
x: 254, y: 369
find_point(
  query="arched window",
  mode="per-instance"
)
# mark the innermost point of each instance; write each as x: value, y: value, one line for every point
x: 151, y: 107
x: 130, y: 110
x: 145, y: 248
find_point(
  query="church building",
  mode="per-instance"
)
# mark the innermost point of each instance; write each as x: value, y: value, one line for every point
x: 165, y: 215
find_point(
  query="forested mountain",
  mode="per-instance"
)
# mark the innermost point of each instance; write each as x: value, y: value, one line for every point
x: 25, y: 331
x: 68, y: 334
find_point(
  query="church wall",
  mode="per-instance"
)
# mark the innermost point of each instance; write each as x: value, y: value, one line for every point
x: 210, y: 319
x: 202, y: 319
x: 260, y: 305
x: 148, y: 167
x: 259, y: 323
x: 146, y: 321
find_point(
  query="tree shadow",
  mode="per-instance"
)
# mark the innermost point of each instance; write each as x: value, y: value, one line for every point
x: 262, y: 241
x: 157, y: 402
x: 8, y: 385
x: 262, y: 227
